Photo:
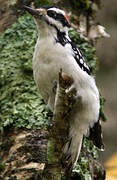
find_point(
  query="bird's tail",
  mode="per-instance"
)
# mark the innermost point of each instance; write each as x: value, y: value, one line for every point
x: 72, y: 148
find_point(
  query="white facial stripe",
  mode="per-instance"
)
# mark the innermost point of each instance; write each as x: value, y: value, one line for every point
x: 57, y: 10
x: 56, y: 23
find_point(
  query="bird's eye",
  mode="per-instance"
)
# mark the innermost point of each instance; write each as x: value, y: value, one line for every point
x: 51, y: 14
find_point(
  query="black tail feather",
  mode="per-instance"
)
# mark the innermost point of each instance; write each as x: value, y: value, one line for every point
x: 95, y: 134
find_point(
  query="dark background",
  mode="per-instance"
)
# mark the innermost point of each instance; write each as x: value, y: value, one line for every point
x: 107, y: 74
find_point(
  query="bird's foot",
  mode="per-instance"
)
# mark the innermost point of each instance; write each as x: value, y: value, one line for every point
x: 71, y: 92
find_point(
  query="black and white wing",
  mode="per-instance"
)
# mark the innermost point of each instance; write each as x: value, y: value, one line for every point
x: 80, y: 58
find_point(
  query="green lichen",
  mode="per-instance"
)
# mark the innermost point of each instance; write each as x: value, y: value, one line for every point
x: 20, y: 102
x: 50, y: 152
x: 102, y: 102
x: 41, y: 3
x: 82, y: 167
x: 82, y: 4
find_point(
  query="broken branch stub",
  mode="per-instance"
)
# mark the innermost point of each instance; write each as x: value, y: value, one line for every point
x: 63, y: 102
x: 60, y: 129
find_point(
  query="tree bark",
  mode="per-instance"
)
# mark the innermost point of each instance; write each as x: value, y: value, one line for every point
x: 6, y: 19
x: 59, y: 131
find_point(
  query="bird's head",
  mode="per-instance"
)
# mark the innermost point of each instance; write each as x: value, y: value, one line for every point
x: 49, y: 17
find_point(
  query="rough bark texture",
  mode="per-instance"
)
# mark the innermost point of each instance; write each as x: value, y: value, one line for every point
x: 23, y: 150
x: 59, y: 132
x: 4, y: 15
x: 23, y: 154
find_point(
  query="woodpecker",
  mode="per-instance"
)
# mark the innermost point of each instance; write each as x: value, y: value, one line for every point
x: 55, y: 50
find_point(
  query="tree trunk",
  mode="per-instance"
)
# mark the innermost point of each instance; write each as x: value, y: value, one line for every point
x: 25, y: 120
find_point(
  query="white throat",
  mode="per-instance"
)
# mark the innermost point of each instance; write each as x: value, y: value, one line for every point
x: 45, y: 30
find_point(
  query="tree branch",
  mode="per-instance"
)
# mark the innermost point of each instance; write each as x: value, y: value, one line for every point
x: 59, y: 132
